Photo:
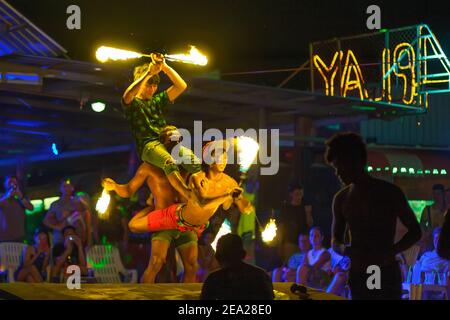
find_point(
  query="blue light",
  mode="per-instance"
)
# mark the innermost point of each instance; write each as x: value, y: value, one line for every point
x: 55, y: 149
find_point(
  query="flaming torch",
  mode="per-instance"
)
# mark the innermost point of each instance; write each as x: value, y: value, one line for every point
x: 247, y: 150
x: 270, y: 231
x: 103, y: 203
x: 194, y: 56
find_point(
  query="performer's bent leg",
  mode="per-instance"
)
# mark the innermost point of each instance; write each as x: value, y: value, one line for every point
x: 189, y: 256
x: 139, y: 223
x: 153, y: 221
x: 155, y: 153
x: 157, y: 259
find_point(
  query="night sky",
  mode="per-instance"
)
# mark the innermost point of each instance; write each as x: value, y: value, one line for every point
x: 237, y: 35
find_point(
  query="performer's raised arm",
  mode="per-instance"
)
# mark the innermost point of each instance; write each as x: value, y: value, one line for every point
x: 179, y: 85
x: 131, y: 92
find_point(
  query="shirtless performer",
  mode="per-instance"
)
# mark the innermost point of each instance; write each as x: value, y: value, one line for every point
x: 369, y: 207
x: 215, y: 189
x: 165, y: 196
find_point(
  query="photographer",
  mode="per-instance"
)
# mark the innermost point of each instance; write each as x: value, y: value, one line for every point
x: 12, y: 212
x: 68, y: 253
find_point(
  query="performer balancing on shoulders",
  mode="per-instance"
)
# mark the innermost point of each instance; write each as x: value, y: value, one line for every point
x: 144, y: 109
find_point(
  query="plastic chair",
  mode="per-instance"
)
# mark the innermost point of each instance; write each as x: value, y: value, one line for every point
x: 411, y: 255
x: 107, y: 265
x: 10, y: 258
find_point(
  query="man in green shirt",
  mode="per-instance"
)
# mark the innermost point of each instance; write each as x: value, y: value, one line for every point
x: 145, y: 111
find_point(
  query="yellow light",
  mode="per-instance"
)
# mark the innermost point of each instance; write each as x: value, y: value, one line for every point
x: 104, y: 54
x: 321, y: 66
x: 270, y: 231
x: 103, y: 203
x: 194, y: 57
x: 399, y: 52
x: 247, y: 149
x: 224, y: 229
x: 351, y: 64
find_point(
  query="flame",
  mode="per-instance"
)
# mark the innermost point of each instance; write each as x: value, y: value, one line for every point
x: 104, y: 54
x: 224, y: 229
x: 247, y: 149
x: 103, y: 203
x: 194, y: 57
x: 270, y: 231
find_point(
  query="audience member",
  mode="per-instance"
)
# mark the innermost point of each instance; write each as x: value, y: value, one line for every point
x: 368, y: 209
x: 60, y: 210
x: 35, y: 259
x: 315, y: 271
x: 431, y: 261
x: 288, y: 273
x: 295, y: 218
x: 433, y: 216
x: 443, y: 245
x: 339, y: 268
x: 67, y: 253
x: 12, y: 212
x: 236, y: 280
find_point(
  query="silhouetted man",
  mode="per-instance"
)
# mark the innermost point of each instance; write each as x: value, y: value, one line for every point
x: 369, y: 208
x: 236, y: 280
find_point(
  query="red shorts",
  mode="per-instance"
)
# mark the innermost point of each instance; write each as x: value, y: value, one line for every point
x: 168, y: 219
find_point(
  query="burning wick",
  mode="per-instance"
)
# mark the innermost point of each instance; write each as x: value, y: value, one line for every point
x: 247, y: 149
x: 194, y: 56
x: 103, y: 202
x: 270, y: 231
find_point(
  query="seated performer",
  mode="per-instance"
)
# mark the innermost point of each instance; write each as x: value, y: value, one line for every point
x: 144, y: 110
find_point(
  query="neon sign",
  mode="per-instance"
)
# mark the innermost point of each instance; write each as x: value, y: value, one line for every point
x: 352, y: 79
x: 403, y: 77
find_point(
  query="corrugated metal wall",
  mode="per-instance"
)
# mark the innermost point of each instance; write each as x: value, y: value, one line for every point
x: 429, y: 130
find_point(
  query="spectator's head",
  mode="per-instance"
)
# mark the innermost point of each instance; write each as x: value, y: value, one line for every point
x: 316, y: 237
x: 69, y: 231
x: 303, y: 242
x: 66, y: 188
x: 439, y: 195
x: 295, y: 193
x: 151, y: 86
x: 230, y: 250
x: 436, y: 234
x: 41, y: 238
x: 10, y: 182
x: 347, y: 154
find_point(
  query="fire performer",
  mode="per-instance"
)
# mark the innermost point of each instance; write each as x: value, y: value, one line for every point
x: 170, y: 225
x: 215, y: 189
x: 144, y: 110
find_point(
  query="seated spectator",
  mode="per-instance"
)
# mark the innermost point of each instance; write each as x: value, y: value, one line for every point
x: 288, y: 273
x: 339, y: 268
x: 443, y: 245
x: 206, y: 259
x: 35, y: 259
x: 431, y: 261
x: 315, y: 271
x: 70, y: 252
x: 236, y: 280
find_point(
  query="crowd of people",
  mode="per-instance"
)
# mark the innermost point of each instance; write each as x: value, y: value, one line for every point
x: 366, y: 214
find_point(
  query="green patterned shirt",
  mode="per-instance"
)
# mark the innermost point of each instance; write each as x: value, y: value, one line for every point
x: 146, y: 118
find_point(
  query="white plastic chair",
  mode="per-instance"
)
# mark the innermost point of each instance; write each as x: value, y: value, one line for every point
x: 10, y: 258
x: 107, y: 265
